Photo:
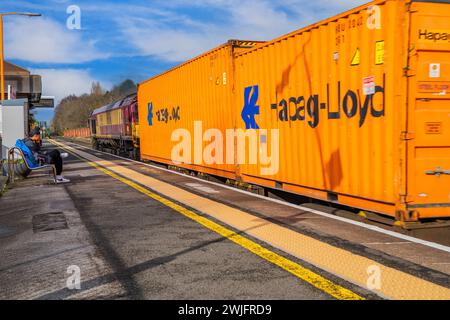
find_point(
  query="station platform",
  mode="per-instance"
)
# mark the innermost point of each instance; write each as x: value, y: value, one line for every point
x: 137, y: 231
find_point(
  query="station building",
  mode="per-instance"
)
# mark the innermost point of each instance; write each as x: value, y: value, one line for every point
x: 23, y: 93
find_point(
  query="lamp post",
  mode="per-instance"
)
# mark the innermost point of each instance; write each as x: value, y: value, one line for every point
x: 2, y: 67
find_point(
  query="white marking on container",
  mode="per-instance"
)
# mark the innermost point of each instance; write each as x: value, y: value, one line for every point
x: 435, y: 70
x: 369, y: 85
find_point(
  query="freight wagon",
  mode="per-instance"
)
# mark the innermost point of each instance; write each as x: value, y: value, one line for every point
x: 115, y: 127
x: 358, y: 107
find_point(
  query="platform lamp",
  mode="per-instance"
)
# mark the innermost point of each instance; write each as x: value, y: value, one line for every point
x: 2, y: 67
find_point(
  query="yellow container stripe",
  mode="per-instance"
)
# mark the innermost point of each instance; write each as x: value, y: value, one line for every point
x: 303, y: 273
x: 354, y: 268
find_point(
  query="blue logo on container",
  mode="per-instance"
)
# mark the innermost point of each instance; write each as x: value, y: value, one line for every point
x: 150, y: 114
x: 250, y: 109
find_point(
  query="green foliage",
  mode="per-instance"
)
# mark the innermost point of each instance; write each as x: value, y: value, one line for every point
x: 74, y: 111
x: 32, y: 120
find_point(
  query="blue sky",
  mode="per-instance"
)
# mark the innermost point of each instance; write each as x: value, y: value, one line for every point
x: 138, y: 39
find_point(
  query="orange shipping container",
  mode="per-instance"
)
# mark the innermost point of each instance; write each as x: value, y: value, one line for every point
x: 362, y: 104
x: 198, y: 90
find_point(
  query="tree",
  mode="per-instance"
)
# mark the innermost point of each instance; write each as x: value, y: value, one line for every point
x: 97, y: 89
x: 74, y: 111
x: 32, y: 122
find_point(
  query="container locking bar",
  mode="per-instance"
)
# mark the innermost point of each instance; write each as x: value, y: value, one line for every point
x: 438, y: 172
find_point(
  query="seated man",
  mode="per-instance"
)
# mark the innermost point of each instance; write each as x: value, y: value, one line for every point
x: 54, y: 157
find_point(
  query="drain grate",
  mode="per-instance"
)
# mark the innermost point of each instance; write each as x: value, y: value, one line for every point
x: 49, y: 222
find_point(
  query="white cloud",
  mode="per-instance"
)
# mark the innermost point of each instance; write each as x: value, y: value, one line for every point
x: 172, y: 30
x: 63, y: 82
x: 174, y: 37
x: 163, y: 42
x: 43, y: 40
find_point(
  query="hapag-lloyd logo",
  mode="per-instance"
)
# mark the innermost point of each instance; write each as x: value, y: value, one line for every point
x: 349, y: 104
x: 434, y: 35
x: 250, y: 109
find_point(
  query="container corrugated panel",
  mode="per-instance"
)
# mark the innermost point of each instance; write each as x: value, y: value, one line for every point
x: 338, y: 94
x: 198, y: 90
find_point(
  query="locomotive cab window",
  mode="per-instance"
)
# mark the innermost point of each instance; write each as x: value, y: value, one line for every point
x: 93, y: 127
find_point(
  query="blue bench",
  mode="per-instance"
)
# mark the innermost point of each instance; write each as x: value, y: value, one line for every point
x: 28, y: 159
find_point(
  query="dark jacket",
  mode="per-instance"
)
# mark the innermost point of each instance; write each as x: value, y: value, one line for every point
x: 34, y: 147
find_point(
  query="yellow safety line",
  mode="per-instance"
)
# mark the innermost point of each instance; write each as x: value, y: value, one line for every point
x: 303, y: 273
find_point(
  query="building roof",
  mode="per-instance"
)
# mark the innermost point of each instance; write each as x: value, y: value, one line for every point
x: 13, y: 70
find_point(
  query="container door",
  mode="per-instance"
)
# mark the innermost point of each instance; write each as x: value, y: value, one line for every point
x: 429, y: 111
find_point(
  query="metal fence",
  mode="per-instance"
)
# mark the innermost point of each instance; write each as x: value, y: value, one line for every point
x: 77, y: 133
